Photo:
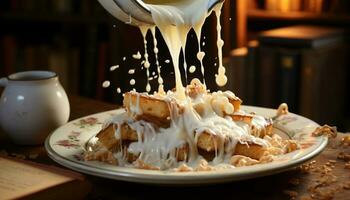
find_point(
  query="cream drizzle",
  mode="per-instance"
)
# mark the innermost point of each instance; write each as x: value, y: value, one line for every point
x: 144, y: 30
x: 221, y: 78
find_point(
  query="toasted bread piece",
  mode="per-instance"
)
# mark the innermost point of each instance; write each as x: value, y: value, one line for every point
x: 127, y: 133
x: 106, y: 137
x: 248, y: 119
x: 236, y: 102
x: 208, y: 142
x: 207, y: 145
x: 151, y: 109
x: 253, y: 151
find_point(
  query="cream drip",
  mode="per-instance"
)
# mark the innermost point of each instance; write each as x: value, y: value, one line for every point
x: 221, y: 78
x: 144, y: 30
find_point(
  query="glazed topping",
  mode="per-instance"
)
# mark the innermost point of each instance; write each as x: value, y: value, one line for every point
x: 205, y: 113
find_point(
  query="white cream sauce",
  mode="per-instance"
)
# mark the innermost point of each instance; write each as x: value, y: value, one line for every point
x: 158, y: 146
x: 203, y: 113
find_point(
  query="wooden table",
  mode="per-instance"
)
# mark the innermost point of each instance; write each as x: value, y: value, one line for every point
x: 281, y: 186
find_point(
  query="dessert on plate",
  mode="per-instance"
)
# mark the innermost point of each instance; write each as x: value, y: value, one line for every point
x: 200, y: 132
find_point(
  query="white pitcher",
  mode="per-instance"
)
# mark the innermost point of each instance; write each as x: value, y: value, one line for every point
x: 137, y: 12
x: 32, y: 105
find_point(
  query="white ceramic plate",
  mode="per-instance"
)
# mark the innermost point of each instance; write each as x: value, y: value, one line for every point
x: 65, y: 146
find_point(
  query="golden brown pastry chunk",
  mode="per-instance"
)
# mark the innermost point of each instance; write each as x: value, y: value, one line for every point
x: 151, y: 109
x: 253, y: 151
x: 236, y: 102
x: 207, y: 145
x: 106, y: 137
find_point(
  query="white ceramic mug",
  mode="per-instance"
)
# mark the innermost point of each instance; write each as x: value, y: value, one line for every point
x: 32, y: 105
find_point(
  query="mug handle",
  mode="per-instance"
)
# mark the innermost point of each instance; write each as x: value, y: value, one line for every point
x: 3, y: 82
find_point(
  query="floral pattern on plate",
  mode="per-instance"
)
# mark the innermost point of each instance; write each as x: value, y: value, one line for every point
x: 66, y: 146
x: 72, y: 140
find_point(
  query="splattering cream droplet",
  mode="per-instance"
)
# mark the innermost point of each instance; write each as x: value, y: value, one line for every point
x: 137, y: 56
x: 221, y: 80
x: 148, y: 87
x: 200, y: 55
x: 119, y: 90
x: 124, y: 58
x: 114, y: 67
x: 131, y: 71
x: 132, y: 82
x: 106, y: 84
x: 192, y: 69
x: 167, y: 61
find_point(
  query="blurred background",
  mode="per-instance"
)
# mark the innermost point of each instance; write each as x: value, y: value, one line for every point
x: 294, y: 51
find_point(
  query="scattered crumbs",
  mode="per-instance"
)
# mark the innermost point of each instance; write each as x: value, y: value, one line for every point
x: 33, y: 156
x: 3, y: 153
x: 307, y: 167
x: 124, y: 58
x: 294, y: 181
x: 343, y: 156
x: 347, y: 165
x: 106, y: 84
x: 326, y: 130
x: 119, y: 90
x: 346, y: 140
x: 167, y: 61
x: 291, y: 193
x: 114, y: 67
x: 19, y: 156
x: 346, y: 185
x: 131, y: 71
x: 305, y: 197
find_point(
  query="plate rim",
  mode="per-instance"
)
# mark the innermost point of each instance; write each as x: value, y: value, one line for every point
x: 183, y: 178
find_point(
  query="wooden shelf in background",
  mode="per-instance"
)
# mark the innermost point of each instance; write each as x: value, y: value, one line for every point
x: 263, y: 15
x: 55, y: 18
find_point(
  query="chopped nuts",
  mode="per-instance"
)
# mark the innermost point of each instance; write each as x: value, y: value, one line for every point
x: 291, y: 193
x: 347, y: 165
x: 33, y: 156
x: 294, y: 181
x: 346, y: 140
x: 343, y: 156
x: 325, y: 130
